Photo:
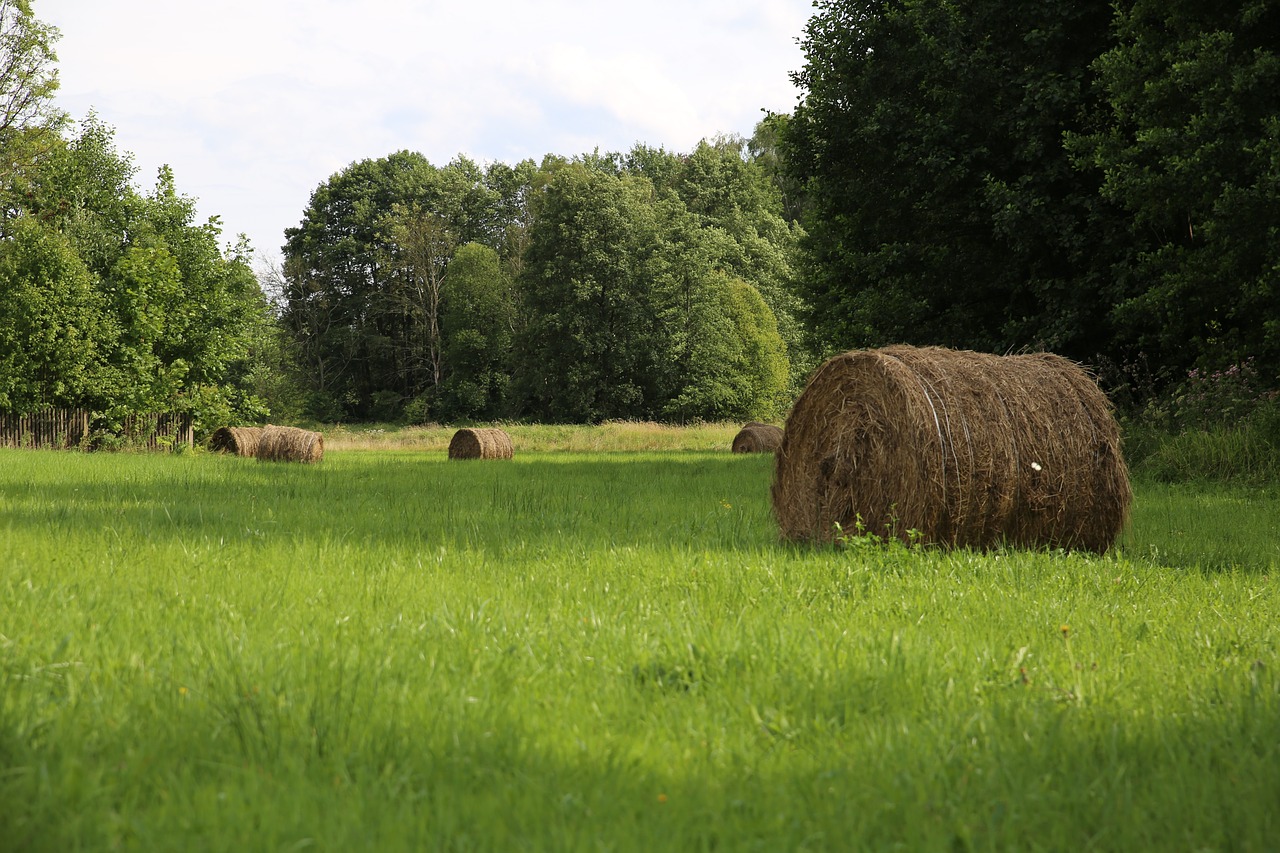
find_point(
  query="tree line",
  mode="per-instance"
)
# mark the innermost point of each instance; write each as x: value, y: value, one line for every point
x: 641, y: 285
x: 111, y: 299
x: 1097, y: 179
x: 1100, y: 179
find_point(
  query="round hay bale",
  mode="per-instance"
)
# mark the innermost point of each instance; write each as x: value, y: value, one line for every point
x: 483, y: 443
x: 289, y: 444
x: 967, y: 449
x: 242, y: 441
x: 758, y: 438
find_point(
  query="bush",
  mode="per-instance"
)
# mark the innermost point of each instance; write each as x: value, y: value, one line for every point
x: 1219, y: 425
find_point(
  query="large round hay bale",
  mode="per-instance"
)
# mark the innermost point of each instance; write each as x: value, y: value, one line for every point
x: 289, y: 444
x: 757, y: 438
x: 480, y: 443
x: 967, y: 449
x: 242, y: 441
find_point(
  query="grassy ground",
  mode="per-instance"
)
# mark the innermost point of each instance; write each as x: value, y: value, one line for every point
x: 612, y: 436
x: 591, y: 650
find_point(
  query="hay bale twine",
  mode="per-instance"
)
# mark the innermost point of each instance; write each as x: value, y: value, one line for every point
x: 758, y: 438
x: 481, y: 443
x: 289, y: 444
x: 971, y: 450
x: 242, y: 441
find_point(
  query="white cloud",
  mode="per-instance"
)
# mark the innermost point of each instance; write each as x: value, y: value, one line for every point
x: 254, y: 103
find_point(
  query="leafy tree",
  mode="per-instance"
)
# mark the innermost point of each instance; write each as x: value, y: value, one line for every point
x: 766, y: 150
x: 733, y: 197
x: 364, y: 270
x: 55, y: 332
x: 420, y: 246
x: 332, y: 302
x: 735, y: 366
x: 630, y: 311
x: 477, y: 326
x: 941, y: 204
x: 586, y: 349
x: 1190, y: 153
x: 30, y: 124
x: 180, y: 310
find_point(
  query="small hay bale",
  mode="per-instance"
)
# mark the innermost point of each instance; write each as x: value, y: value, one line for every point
x: 967, y: 449
x: 242, y: 441
x: 290, y: 444
x: 758, y: 438
x: 482, y: 443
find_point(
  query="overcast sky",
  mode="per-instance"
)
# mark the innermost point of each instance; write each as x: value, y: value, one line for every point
x: 254, y: 103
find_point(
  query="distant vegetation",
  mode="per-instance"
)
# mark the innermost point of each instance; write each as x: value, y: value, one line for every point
x: 1094, y: 181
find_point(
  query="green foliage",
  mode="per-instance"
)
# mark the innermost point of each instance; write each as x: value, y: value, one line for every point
x: 1097, y: 181
x: 1214, y: 426
x: 588, y: 346
x: 600, y: 270
x: 736, y: 367
x: 630, y: 310
x: 362, y: 286
x: 477, y: 325
x: 55, y: 332
x: 1189, y: 153
x: 119, y: 302
x: 941, y: 205
x: 30, y: 124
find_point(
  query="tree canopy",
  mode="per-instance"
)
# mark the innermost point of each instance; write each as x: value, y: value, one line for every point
x: 1097, y: 179
x: 648, y: 284
x: 1094, y: 179
x: 113, y: 300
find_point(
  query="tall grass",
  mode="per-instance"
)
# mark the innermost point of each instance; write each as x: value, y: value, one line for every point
x: 609, y: 651
x: 611, y: 436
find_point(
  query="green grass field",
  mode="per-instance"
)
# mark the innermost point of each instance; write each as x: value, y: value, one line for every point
x: 587, y: 650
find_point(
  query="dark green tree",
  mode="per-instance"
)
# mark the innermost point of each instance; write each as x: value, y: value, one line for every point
x: 1190, y: 151
x: 630, y: 310
x: 56, y: 335
x: 734, y: 199
x: 333, y: 302
x: 942, y: 207
x: 477, y: 325
x: 363, y: 273
x: 586, y: 352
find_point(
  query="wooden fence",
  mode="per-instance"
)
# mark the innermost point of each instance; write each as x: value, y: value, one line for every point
x: 66, y: 428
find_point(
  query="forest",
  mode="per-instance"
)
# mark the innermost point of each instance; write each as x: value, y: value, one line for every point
x: 1095, y: 179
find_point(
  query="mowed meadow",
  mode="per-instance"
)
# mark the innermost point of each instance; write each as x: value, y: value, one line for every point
x: 602, y: 644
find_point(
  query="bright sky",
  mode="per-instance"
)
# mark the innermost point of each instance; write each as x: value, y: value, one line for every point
x: 255, y: 103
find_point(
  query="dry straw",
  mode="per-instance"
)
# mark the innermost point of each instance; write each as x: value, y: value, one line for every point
x: 242, y: 441
x: 290, y: 444
x: 758, y: 438
x: 968, y: 449
x: 490, y: 443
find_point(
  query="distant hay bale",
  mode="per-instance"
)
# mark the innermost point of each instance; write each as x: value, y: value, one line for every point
x: 290, y: 444
x: 970, y: 450
x: 482, y: 443
x: 242, y: 441
x: 758, y: 438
